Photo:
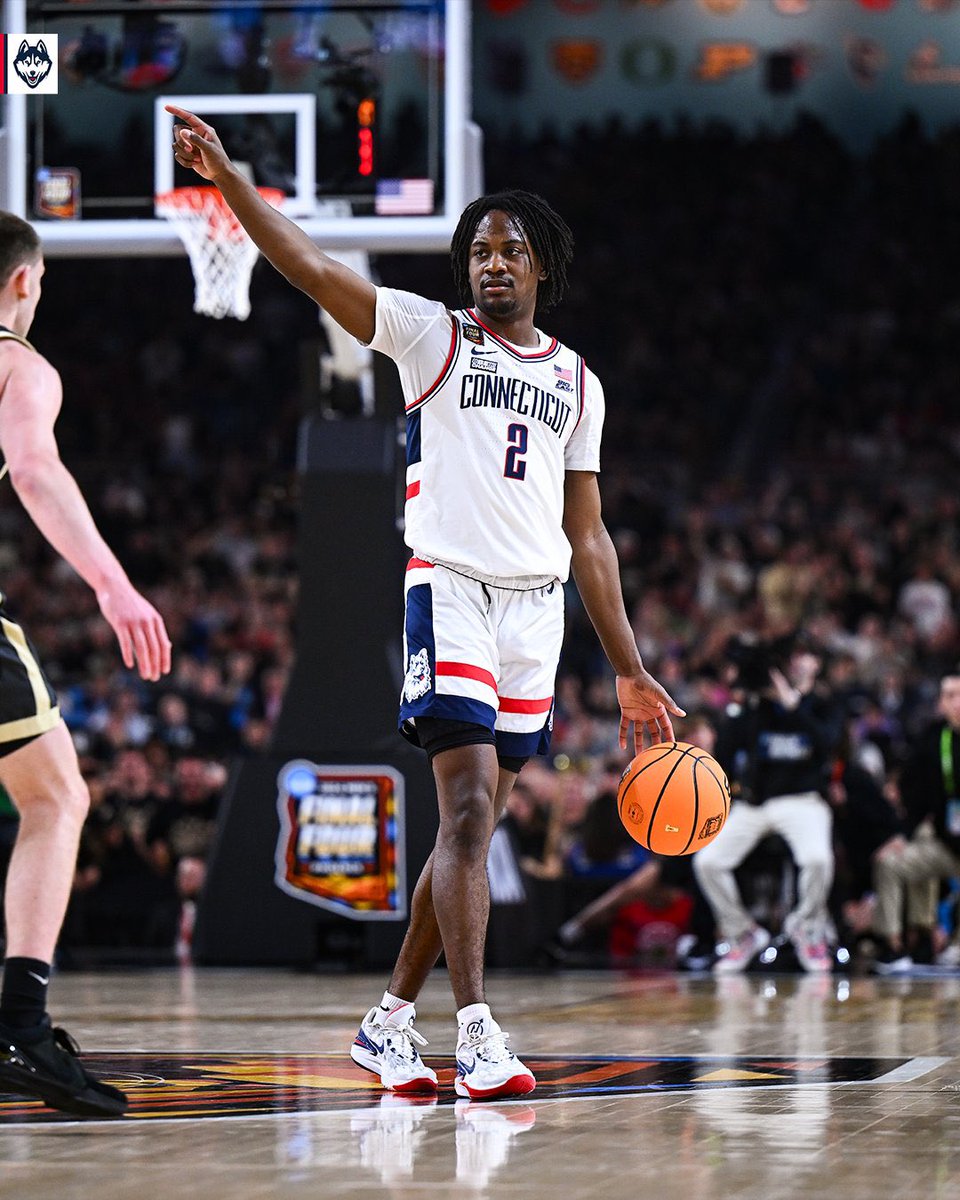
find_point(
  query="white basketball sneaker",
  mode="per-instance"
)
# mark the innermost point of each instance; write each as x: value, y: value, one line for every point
x: 386, y: 1044
x: 742, y: 951
x: 487, y: 1069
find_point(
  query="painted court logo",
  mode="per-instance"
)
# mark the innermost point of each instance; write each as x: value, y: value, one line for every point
x: 29, y: 64
x: 184, y: 1086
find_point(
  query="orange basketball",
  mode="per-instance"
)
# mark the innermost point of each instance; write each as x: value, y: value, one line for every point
x: 673, y: 798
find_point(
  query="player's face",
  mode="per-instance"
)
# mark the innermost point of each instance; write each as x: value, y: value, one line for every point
x: 504, y: 271
x: 950, y: 700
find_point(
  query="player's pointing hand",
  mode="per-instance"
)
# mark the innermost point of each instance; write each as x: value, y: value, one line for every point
x: 196, y: 145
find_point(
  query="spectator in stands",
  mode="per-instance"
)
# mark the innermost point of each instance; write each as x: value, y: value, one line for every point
x: 829, y: 371
x: 930, y: 790
x: 134, y: 793
x: 118, y: 901
x: 181, y: 833
x: 776, y: 750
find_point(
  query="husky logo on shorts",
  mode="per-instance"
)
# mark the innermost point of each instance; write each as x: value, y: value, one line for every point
x: 418, y: 682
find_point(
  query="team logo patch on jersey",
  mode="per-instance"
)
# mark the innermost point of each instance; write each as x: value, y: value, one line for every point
x: 483, y: 364
x: 564, y: 380
x: 418, y: 681
x: 473, y: 333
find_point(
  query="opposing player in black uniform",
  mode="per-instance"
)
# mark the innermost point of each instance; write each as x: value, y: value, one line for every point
x: 38, y: 763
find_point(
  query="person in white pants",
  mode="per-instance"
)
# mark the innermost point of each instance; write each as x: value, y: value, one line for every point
x: 776, y: 750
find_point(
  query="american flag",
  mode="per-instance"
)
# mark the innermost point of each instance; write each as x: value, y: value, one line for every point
x: 403, y: 197
x: 562, y: 373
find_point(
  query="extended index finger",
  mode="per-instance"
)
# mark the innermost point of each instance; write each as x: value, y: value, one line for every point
x: 190, y: 119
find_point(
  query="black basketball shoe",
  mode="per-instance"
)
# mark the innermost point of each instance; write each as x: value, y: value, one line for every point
x: 43, y: 1062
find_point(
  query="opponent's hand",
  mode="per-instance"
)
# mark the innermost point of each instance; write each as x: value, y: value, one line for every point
x: 196, y: 145
x: 644, y: 703
x: 140, y: 630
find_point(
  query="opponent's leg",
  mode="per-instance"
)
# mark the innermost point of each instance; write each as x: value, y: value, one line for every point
x: 44, y: 782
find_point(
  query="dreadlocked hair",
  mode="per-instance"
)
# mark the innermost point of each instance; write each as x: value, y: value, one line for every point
x: 547, y: 232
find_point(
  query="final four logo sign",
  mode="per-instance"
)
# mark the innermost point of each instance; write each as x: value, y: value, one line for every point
x: 341, y: 843
x: 28, y: 64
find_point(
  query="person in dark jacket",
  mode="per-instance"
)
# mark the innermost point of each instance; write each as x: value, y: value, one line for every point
x: 930, y: 794
x: 776, y: 748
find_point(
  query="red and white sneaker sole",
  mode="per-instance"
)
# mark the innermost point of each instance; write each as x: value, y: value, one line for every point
x: 422, y: 1086
x: 517, y: 1085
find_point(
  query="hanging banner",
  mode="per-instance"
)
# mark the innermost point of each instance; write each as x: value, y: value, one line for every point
x: 341, y: 843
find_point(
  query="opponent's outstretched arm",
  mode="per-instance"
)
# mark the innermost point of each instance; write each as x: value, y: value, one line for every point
x: 49, y: 493
x: 346, y: 296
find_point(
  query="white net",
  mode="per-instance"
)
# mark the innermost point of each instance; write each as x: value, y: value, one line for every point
x: 220, y: 250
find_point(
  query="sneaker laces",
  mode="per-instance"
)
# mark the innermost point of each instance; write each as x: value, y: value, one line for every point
x: 403, y: 1041
x: 491, y: 1047
x: 65, y: 1041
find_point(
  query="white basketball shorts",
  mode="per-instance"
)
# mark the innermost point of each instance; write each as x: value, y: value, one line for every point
x: 480, y: 653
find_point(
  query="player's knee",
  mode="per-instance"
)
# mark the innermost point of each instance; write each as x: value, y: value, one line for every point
x: 467, y: 822
x: 709, y: 862
x: 75, y: 801
x: 56, y: 800
x: 817, y: 864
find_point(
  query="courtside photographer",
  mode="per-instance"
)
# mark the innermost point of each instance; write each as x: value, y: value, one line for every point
x: 776, y: 746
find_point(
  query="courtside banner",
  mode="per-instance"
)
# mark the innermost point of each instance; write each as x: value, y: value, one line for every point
x: 29, y: 64
x: 341, y: 843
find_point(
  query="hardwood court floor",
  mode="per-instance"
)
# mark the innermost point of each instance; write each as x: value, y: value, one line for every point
x: 670, y: 1087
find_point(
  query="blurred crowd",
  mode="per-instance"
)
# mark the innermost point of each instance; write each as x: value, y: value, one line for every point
x: 773, y: 321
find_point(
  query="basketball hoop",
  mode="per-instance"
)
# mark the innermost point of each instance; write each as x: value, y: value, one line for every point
x: 221, y: 252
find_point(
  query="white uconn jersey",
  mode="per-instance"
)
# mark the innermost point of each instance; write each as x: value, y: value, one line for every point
x: 491, y: 429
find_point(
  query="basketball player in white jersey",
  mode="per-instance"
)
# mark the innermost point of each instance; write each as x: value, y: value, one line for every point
x: 38, y: 764
x: 503, y: 439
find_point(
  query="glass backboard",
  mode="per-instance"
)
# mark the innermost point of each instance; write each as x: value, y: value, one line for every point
x: 357, y: 111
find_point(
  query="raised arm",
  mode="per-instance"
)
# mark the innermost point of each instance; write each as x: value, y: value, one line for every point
x: 346, y: 296
x: 31, y: 401
x: 597, y: 574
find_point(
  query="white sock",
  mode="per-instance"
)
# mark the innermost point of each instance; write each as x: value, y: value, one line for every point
x: 473, y: 1013
x: 391, y: 1003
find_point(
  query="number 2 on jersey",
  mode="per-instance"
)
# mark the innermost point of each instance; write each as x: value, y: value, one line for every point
x: 514, y: 467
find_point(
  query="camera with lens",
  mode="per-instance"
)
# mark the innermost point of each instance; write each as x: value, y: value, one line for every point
x: 754, y: 658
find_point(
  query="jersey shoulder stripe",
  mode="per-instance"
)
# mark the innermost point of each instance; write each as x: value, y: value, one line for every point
x: 444, y: 370
x: 581, y: 389
x: 536, y: 356
x: 7, y: 335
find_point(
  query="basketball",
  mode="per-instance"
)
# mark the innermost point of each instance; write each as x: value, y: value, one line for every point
x: 673, y: 798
